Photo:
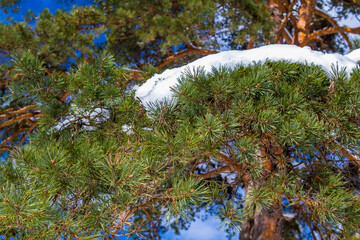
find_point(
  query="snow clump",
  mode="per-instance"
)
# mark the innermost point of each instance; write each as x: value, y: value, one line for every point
x: 158, y: 87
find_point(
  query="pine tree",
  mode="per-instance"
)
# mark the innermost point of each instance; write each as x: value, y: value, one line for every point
x: 105, y: 160
x: 143, y: 36
x: 136, y: 35
x: 106, y: 164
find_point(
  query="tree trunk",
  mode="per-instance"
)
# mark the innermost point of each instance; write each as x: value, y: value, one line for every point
x: 263, y: 224
x: 306, y: 12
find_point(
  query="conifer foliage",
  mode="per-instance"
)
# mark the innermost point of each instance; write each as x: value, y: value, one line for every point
x: 152, y: 35
x: 100, y: 164
x: 271, y: 149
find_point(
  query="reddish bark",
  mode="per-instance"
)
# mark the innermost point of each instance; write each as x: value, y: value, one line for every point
x: 334, y: 23
x: 306, y: 12
x: 214, y: 172
x: 282, y: 14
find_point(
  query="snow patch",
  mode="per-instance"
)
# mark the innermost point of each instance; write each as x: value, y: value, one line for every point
x: 229, y: 177
x: 84, y: 118
x: 288, y: 215
x: 127, y: 129
x: 158, y: 87
x: 354, y: 55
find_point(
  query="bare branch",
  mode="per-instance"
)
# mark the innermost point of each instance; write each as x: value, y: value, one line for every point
x: 28, y: 131
x: 19, y: 118
x: 14, y: 111
x: 214, y: 172
x: 234, y: 167
x: 97, y: 26
x: 11, y: 137
x: 351, y: 157
x: 284, y: 22
x: 332, y: 30
x: 6, y: 148
x: 334, y: 23
x: 185, y: 53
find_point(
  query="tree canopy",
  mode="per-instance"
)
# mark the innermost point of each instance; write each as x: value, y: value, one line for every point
x: 99, y: 163
x: 145, y: 35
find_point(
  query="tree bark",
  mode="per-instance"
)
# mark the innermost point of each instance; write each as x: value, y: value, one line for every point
x: 263, y: 224
x: 306, y: 12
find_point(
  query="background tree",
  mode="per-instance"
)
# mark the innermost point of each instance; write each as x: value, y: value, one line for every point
x: 314, y: 23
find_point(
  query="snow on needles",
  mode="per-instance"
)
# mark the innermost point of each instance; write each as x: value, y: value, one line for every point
x: 84, y: 118
x: 158, y: 87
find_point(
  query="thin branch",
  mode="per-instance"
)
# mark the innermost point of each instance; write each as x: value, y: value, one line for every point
x: 284, y: 22
x: 97, y: 26
x: 185, y: 53
x: 8, y: 113
x: 152, y: 222
x: 63, y: 97
x: 351, y: 157
x: 28, y: 131
x: 303, y: 209
x: 234, y: 167
x: 214, y: 172
x: 288, y: 37
x: 282, y: 32
x: 6, y: 148
x: 321, y: 43
x: 334, y: 23
x: 18, y: 119
x: 293, y: 21
x: 11, y: 137
x: 332, y: 30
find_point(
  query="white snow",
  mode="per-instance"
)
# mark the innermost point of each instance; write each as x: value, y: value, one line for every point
x: 354, y: 55
x: 288, y: 215
x: 158, y: 87
x: 127, y: 129
x: 229, y: 176
x: 85, y: 118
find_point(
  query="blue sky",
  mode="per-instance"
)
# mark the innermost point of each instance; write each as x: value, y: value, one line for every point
x: 37, y: 6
